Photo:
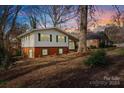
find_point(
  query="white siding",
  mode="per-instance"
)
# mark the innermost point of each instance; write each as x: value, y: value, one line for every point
x: 48, y: 43
x: 28, y: 42
x: 33, y: 41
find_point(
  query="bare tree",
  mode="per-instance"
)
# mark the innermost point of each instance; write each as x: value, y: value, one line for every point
x: 32, y: 14
x: 118, y: 17
x: 33, y: 21
x: 82, y: 48
x: 52, y: 15
x: 60, y: 14
x: 12, y: 27
x: 43, y: 20
x: 111, y: 31
x: 8, y: 17
x: 3, y: 20
x: 91, y: 19
x: 42, y: 16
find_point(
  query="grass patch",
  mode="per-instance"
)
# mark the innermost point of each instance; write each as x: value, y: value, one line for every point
x: 118, y: 51
x: 121, y: 51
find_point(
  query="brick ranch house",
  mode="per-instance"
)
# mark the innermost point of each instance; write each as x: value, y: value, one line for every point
x: 50, y: 41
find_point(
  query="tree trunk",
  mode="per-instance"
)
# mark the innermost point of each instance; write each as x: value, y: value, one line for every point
x: 1, y: 37
x: 82, y: 47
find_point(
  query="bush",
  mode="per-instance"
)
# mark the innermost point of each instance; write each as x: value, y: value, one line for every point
x: 5, y: 58
x: 93, y: 47
x: 97, y: 58
x: 102, y: 45
x: 18, y: 53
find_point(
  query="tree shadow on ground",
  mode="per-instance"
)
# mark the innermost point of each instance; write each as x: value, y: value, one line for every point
x: 84, y: 78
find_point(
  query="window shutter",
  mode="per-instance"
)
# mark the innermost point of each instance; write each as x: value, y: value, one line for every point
x: 65, y: 38
x: 50, y: 38
x: 57, y: 38
x: 38, y: 36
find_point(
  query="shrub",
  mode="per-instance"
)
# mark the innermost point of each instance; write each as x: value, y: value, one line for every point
x: 102, y: 45
x: 2, y: 81
x: 92, y: 47
x: 5, y: 58
x: 97, y: 58
x: 18, y: 53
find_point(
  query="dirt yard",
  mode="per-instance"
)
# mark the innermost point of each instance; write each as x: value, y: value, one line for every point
x: 64, y: 71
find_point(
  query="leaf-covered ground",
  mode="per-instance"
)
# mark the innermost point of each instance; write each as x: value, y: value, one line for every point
x: 65, y: 71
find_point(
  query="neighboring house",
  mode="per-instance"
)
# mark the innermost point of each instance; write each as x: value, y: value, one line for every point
x: 93, y: 40
x: 50, y: 41
x: 15, y: 44
x: 98, y: 40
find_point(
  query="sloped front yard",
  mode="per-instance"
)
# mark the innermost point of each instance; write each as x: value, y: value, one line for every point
x: 27, y: 71
x: 65, y: 71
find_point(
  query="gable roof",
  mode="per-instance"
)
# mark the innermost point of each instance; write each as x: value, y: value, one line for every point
x: 92, y: 35
x: 47, y: 29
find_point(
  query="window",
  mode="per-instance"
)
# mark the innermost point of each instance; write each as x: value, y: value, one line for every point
x: 26, y: 37
x: 44, y: 52
x: 65, y: 38
x: 61, y: 38
x: 60, y: 51
x: 45, y: 37
x: 38, y: 36
x: 50, y: 38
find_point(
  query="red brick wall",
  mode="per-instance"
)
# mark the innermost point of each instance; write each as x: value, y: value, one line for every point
x: 37, y: 51
x: 51, y: 51
x: 66, y: 50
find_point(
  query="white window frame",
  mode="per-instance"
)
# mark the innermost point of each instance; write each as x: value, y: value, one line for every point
x: 44, y: 52
x: 61, y: 38
x: 60, y: 50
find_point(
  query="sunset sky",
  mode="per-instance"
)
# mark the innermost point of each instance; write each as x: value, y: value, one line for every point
x: 103, y: 13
